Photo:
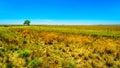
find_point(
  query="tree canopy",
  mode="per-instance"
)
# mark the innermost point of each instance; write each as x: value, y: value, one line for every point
x: 27, y: 22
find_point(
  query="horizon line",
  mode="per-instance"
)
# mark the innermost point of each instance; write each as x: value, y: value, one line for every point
x: 62, y: 22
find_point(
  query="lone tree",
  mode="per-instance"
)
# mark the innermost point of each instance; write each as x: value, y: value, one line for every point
x: 27, y: 22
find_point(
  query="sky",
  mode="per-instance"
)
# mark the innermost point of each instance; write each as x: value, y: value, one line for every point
x: 60, y: 11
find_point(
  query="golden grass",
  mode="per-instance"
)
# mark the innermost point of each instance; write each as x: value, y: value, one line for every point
x: 57, y: 50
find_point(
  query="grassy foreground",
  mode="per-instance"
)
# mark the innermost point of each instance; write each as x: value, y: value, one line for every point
x: 60, y: 46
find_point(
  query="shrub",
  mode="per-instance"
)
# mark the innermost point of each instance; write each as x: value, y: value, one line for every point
x: 71, y: 64
x: 14, y: 48
x: 24, y: 53
x: 35, y: 62
x: 68, y: 63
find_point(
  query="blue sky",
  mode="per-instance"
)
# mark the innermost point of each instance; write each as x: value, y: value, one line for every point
x: 60, y: 11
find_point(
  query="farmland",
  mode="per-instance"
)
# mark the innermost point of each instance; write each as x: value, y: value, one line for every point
x: 60, y: 46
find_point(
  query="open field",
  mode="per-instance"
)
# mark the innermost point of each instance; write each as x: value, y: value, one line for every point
x: 58, y: 46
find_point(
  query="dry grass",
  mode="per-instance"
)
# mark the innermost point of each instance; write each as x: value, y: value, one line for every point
x: 48, y: 49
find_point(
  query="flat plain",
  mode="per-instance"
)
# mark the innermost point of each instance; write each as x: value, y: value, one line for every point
x: 60, y: 46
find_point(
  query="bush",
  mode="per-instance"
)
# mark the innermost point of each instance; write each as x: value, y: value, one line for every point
x: 35, y: 62
x: 24, y: 53
x: 14, y: 48
x: 71, y: 64
x: 68, y: 63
